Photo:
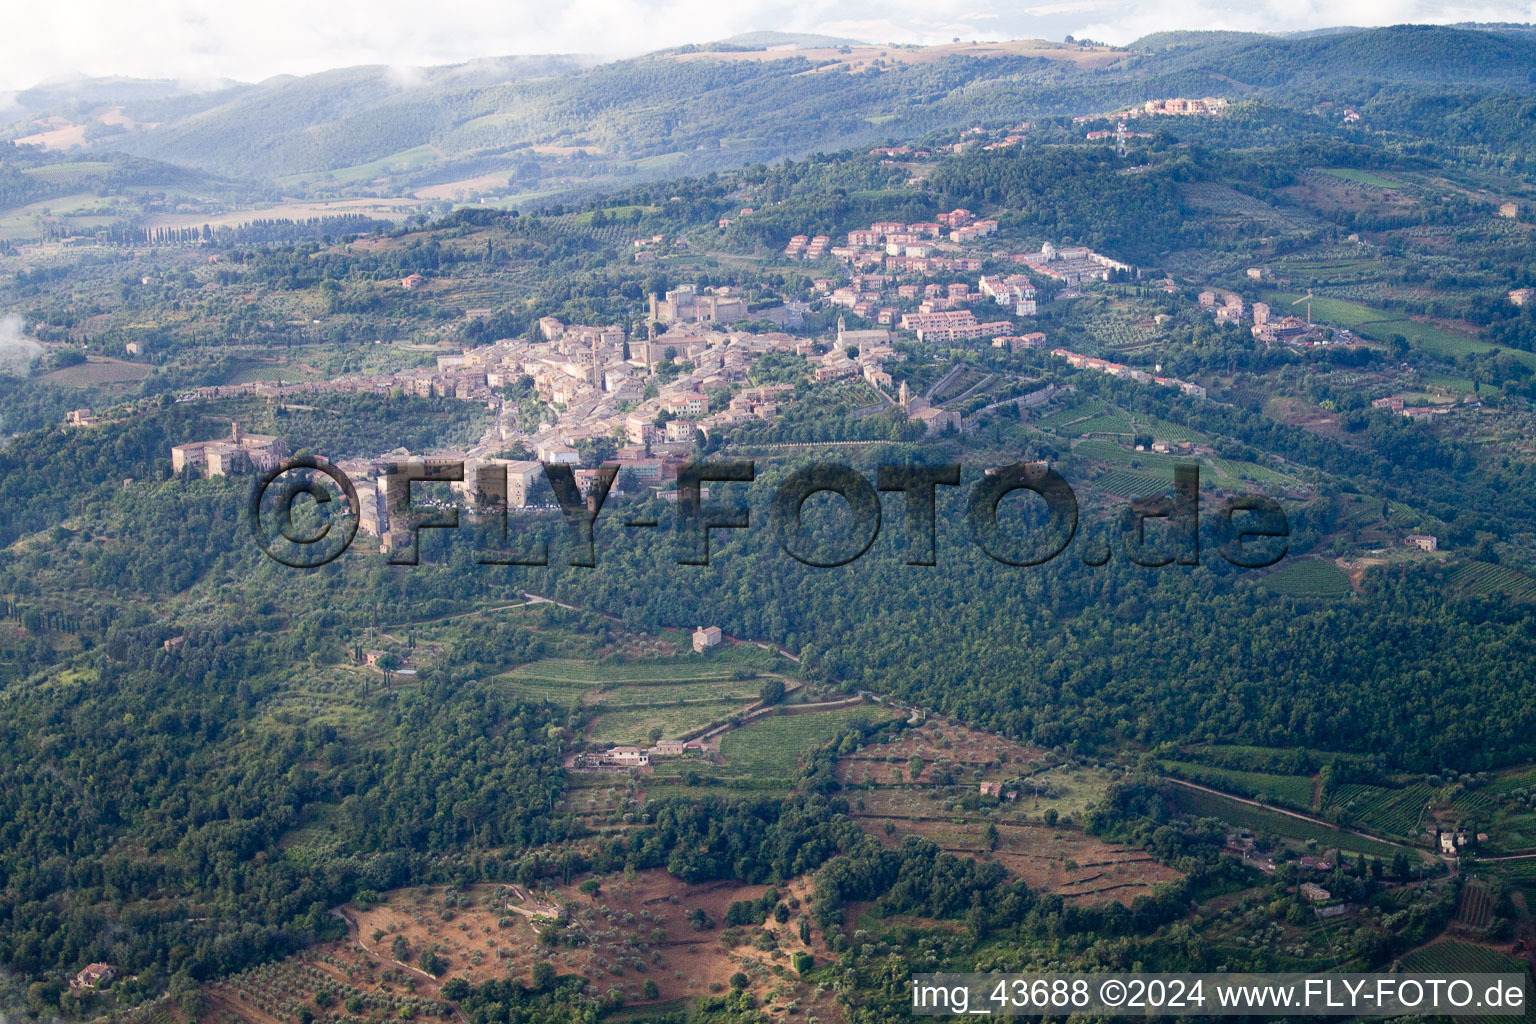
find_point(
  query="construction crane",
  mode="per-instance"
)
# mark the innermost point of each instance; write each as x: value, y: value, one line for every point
x: 1307, y: 298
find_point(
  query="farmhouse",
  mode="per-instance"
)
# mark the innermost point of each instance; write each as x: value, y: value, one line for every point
x: 1315, y: 892
x: 668, y: 748
x: 413, y: 282
x: 706, y: 637
x: 93, y: 975
x: 1422, y: 541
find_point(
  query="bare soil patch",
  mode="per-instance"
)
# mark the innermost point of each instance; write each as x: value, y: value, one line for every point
x: 633, y: 930
x: 98, y: 370
x: 1060, y: 860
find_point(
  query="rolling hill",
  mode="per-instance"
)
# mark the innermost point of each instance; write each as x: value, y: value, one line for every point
x: 527, y: 121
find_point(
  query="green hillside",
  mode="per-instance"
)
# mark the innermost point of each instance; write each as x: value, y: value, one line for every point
x: 520, y: 118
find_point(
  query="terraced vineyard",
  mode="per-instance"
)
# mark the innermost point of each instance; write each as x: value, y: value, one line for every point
x: 1128, y: 483
x: 1475, y: 907
x: 569, y: 682
x: 1162, y: 430
x: 1392, y: 811
x: 1252, y: 471
x: 1401, y: 514
x: 1106, y: 423
x: 1308, y: 577
x: 631, y: 699
x: 1475, y: 804
x: 1452, y: 957
x: 1359, y: 510
x: 1062, y: 417
x: 1121, y: 456
x: 1521, y: 778
x: 648, y: 695
x: 1455, y: 957
x: 1484, y: 578
x: 1522, y: 876
x: 664, y: 671
x: 1208, y: 805
x: 565, y: 693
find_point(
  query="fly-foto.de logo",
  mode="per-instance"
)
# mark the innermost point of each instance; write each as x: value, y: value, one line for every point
x: 296, y: 515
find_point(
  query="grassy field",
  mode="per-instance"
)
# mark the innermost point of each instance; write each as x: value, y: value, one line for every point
x: 396, y: 163
x: 634, y: 725
x: 765, y: 753
x: 1375, y: 179
x: 98, y: 371
x: 247, y: 372
x: 575, y: 676
x: 1258, y: 819
x: 1380, y: 325
x: 1308, y: 577
x: 629, y: 699
x: 1266, y: 760
x: 647, y: 694
x: 1289, y: 790
x: 68, y: 172
x: 773, y: 745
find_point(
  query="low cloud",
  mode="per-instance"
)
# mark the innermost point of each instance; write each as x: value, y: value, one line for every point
x: 1126, y: 22
x: 17, y: 351
x: 207, y: 40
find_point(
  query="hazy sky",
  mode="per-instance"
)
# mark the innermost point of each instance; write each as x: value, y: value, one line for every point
x: 207, y: 39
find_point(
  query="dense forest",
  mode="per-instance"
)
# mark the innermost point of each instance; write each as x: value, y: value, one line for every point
x: 205, y: 754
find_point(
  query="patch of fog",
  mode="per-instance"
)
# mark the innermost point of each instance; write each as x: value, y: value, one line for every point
x: 17, y: 351
x: 404, y: 77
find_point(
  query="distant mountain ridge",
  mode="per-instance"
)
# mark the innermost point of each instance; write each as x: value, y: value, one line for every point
x: 523, y: 120
x: 764, y: 39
